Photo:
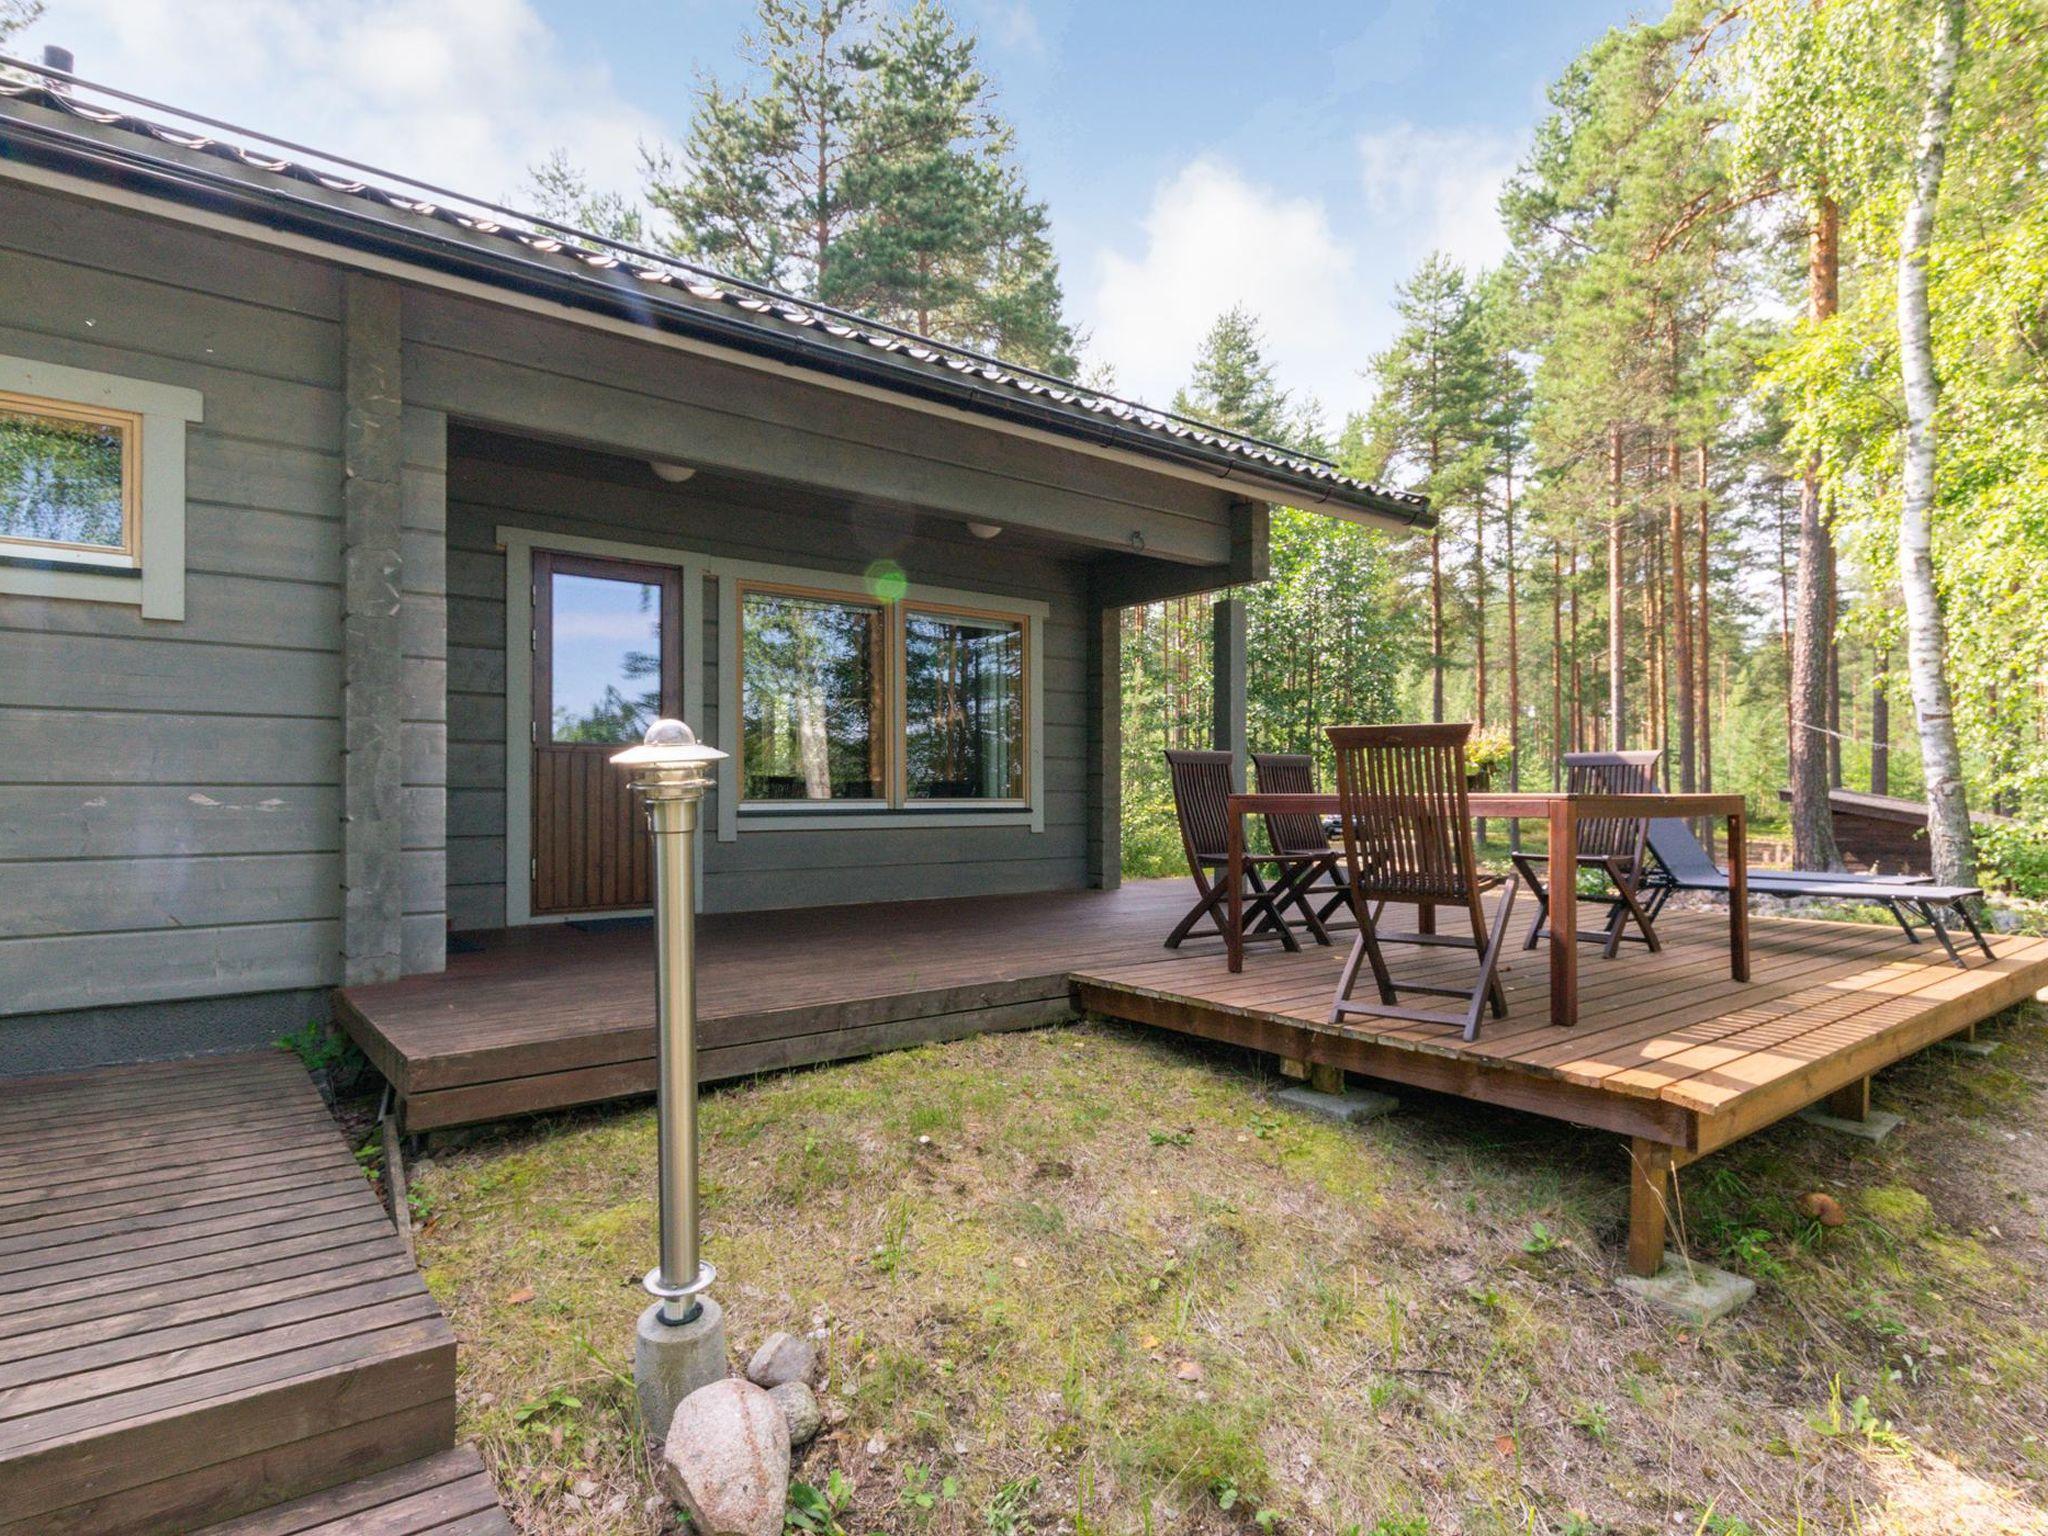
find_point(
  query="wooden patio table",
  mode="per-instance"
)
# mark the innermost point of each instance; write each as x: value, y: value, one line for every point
x: 1563, y: 813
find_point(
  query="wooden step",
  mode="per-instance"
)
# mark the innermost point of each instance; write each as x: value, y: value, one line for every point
x: 447, y: 1494
x: 203, y: 1323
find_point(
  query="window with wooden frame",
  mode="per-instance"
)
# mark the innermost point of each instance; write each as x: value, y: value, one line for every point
x: 852, y: 702
x: 92, y: 486
x: 70, y: 482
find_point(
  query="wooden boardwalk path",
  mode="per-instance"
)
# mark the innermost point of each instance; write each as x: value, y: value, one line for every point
x: 204, y: 1309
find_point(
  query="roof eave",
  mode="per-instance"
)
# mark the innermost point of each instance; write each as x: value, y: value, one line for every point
x: 256, y: 197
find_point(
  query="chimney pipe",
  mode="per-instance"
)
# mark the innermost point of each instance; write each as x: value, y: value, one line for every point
x: 59, y: 59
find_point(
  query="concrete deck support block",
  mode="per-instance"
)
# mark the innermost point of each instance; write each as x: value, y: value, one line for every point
x: 1875, y: 1126
x: 1694, y: 1293
x: 1349, y: 1107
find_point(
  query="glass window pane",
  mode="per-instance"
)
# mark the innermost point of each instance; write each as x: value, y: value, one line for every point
x: 605, y: 655
x: 963, y: 694
x: 812, y: 676
x: 60, y: 479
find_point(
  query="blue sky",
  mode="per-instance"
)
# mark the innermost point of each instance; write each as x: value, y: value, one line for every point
x: 1299, y: 158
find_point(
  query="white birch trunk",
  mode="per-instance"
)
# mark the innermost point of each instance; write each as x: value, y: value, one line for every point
x: 1948, y: 820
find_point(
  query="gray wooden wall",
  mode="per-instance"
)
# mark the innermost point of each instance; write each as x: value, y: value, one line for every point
x: 495, y: 481
x: 170, y: 802
x: 170, y: 821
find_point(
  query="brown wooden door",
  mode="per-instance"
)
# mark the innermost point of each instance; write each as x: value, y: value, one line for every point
x: 607, y: 660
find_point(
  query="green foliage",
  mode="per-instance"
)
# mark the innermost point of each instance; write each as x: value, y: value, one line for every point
x: 321, y: 1047
x: 2017, y: 853
x: 816, y: 1511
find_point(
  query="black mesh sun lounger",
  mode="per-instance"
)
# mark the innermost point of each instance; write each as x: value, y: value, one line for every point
x: 1683, y: 865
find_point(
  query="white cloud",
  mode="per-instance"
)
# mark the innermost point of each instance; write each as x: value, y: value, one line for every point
x: 1434, y: 189
x: 1214, y: 239
x: 466, y: 93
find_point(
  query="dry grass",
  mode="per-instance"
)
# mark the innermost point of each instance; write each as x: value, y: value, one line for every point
x: 1093, y: 1281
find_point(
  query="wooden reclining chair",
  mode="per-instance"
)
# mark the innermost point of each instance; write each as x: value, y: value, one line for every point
x: 1201, y: 800
x: 1407, y: 827
x: 1614, y: 845
x: 1322, y: 879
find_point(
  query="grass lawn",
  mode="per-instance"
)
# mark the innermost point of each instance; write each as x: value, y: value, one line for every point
x: 1093, y: 1281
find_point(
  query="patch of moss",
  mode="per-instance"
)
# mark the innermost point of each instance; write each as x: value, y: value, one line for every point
x: 1902, y: 1212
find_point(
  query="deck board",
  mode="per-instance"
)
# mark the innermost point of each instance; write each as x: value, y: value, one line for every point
x: 210, y: 1312
x: 449, y: 1494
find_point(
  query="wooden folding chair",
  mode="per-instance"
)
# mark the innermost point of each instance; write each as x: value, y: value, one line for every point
x: 1201, y: 800
x: 1617, y: 846
x: 1407, y: 827
x: 1322, y: 878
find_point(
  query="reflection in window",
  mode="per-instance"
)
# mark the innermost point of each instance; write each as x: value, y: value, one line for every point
x: 605, y: 655
x: 63, y: 477
x: 811, y: 671
x: 963, y: 695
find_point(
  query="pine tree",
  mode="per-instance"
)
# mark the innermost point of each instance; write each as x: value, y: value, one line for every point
x: 760, y: 191
x: 864, y: 165
x: 1233, y: 385
x: 559, y: 191
x: 1427, y: 427
x: 946, y: 241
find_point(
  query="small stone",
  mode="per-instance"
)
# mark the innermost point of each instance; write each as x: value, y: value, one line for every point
x: 583, y: 1488
x: 726, y: 1460
x: 799, y: 1410
x: 784, y: 1357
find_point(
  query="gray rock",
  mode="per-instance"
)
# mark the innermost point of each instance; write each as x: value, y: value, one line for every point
x: 784, y: 1357
x: 799, y: 1409
x: 726, y: 1460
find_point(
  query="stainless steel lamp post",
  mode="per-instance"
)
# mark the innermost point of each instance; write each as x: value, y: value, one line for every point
x: 681, y: 1341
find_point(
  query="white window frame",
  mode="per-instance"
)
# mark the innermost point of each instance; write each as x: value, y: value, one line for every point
x: 153, y: 577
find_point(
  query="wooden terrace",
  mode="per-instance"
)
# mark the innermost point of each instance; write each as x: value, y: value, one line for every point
x: 208, y: 1316
x: 1670, y: 1051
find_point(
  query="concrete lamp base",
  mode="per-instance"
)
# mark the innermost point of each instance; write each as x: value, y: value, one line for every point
x: 670, y: 1361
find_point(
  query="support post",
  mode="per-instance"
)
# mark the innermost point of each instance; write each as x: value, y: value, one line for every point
x: 1650, y: 1165
x: 372, y: 649
x: 1850, y: 1102
x: 1230, y: 731
x: 1105, y: 747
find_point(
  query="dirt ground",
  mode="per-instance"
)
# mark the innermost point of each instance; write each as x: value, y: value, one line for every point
x: 1095, y: 1281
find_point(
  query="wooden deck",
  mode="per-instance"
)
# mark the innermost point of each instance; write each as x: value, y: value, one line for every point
x: 204, y: 1309
x: 547, y: 1017
x: 1669, y: 1051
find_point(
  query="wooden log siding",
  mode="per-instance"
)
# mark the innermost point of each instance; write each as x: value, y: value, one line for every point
x: 169, y: 792
x: 496, y: 481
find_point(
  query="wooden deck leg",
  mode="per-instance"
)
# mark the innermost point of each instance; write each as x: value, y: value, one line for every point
x: 1851, y: 1102
x: 1294, y: 1069
x: 1325, y: 1079
x: 1649, y: 1193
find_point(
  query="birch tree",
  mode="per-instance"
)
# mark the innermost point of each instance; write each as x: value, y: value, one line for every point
x: 1948, y: 822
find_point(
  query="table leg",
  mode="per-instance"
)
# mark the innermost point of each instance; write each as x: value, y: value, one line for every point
x: 1233, y: 941
x: 1738, y: 895
x: 1564, y: 913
